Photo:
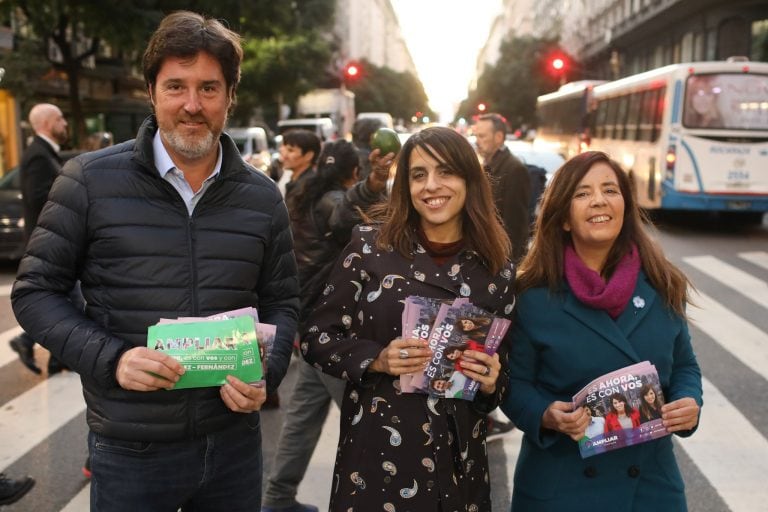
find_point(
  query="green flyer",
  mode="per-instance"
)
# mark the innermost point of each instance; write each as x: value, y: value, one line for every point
x: 210, y: 350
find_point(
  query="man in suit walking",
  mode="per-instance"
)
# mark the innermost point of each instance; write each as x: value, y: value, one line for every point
x: 40, y: 164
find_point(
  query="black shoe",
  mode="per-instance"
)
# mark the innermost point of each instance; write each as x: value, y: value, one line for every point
x: 498, y: 429
x: 12, y: 490
x: 55, y: 366
x: 26, y: 354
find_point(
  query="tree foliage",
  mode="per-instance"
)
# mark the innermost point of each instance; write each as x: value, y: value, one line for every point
x: 381, y: 89
x: 286, y: 47
x: 520, y: 75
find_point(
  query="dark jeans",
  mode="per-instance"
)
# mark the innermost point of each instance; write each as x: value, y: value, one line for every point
x: 217, y: 472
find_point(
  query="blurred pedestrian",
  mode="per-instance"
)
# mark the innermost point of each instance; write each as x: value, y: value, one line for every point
x: 301, y: 148
x: 438, y: 236
x: 511, y: 185
x: 362, y: 131
x: 40, y: 165
x: 596, y: 295
x: 173, y: 223
x: 509, y: 180
x: 323, y: 208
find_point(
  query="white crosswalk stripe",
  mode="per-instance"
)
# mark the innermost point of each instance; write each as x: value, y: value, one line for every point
x: 735, y: 278
x: 729, y: 451
x: 32, y: 416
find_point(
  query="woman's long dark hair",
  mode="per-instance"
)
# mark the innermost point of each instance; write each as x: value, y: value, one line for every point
x: 336, y: 165
x: 543, y: 264
x: 483, y: 231
x: 646, y: 411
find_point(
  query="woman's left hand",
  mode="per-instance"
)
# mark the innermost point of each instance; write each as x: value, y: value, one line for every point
x: 483, y: 368
x: 680, y: 415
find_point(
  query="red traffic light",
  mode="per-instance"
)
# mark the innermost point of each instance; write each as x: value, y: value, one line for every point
x: 558, y: 64
x: 351, y: 71
x: 481, y: 107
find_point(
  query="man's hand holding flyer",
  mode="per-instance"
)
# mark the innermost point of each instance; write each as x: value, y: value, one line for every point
x: 229, y: 343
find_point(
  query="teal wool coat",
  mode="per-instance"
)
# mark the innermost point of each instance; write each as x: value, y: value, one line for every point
x: 558, y: 346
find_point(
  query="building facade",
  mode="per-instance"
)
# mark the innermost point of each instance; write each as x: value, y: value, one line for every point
x: 614, y: 38
x: 369, y: 29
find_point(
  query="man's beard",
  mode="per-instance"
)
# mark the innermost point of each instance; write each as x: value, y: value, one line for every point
x: 190, y: 147
x: 61, y: 137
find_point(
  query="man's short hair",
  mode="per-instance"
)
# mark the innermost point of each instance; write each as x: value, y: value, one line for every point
x: 303, y: 139
x: 184, y: 34
x: 498, y: 121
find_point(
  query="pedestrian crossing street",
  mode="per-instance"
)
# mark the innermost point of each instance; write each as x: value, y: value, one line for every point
x: 725, y: 463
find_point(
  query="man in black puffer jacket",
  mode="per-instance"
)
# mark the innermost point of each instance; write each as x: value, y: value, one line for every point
x: 171, y: 224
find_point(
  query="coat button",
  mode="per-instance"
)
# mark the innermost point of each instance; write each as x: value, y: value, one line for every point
x: 633, y: 471
x: 590, y: 472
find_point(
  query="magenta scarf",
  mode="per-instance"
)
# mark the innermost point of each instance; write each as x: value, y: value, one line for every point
x: 590, y: 289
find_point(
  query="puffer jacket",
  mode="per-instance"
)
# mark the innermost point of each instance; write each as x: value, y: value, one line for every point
x: 114, y: 223
x: 320, y: 236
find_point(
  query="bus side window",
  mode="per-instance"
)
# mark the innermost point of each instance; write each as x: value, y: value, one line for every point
x: 621, y: 117
x: 602, y: 111
x: 610, y: 119
x: 633, y: 116
x: 659, y: 113
x: 646, y: 116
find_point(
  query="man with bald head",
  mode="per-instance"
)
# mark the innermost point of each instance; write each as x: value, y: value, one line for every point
x: 40, y: 164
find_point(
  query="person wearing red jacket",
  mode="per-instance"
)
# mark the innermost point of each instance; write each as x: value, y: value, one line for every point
x: 622, y: 415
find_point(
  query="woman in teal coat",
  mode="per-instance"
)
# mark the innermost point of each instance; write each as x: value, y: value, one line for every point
x: 596, y: 295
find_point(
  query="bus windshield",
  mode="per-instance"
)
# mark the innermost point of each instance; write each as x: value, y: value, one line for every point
x: 727, y: 101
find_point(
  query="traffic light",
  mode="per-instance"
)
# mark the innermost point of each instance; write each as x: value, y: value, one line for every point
x: 481, y: 107
x: 351, y: 73
x: 558, y: 66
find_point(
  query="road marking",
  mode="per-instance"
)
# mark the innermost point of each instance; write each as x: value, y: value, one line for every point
x: 738, y: 336
x: 751, y: 287
x: 729, y: 451
x: 759, y: 258
x: 7, y: 354
x: 81, y: 501
x: 315, y: 488
x: 32, y: 416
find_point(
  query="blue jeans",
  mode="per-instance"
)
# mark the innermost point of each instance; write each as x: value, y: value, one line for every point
x: 216, y: 472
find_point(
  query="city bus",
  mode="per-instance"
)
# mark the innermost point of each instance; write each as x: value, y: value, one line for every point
x: 563, y: 118
x: 693, y: 136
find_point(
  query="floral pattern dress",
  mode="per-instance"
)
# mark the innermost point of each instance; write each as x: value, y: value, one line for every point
x: 398, y: 451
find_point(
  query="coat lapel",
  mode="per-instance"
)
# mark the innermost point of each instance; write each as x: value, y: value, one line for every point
x: 639, y: 305
x: 600, y: 322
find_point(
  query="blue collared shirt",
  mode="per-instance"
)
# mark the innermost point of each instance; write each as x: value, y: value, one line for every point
x: 170, y: 173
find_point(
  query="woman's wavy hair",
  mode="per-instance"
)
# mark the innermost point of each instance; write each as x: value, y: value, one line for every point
x: 542, y: 266
x: 482, y: 229
x: 645, y: 409
x: 336, y: 165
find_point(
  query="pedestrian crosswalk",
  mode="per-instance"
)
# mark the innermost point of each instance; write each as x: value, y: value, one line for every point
x: 727, y: 458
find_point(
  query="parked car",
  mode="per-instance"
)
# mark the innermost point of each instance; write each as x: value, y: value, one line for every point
x: 253, y: 144
x: 541, y: 164
x: 11, y: 216
x: 547, y: 159
x: 322, y: 126
x: 384, y: 117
